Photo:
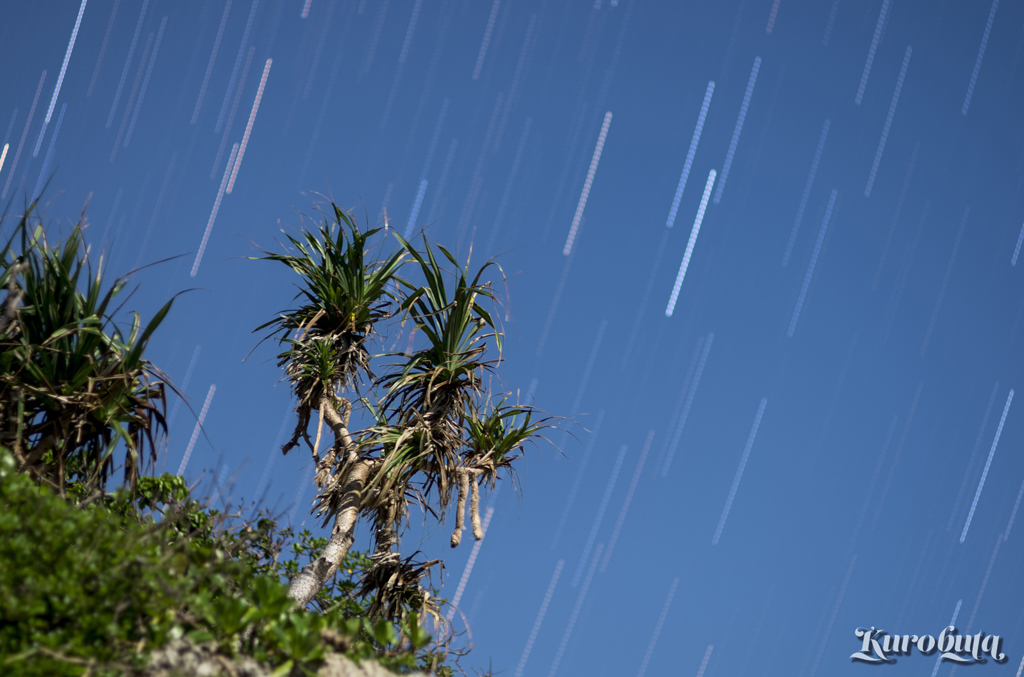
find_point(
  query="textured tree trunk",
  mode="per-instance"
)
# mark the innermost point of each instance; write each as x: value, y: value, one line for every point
x: 308, y: 582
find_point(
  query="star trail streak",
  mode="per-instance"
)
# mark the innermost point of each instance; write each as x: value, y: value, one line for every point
x: 600, y: 514
x: 540, y: 619
x: 888, y: 123
x: 981, y: 55
x: 691, y: 393
x: 209, y: 65
x: 103, y: 48
x: 806, y: 194
x: 213, y: 214
x: 486, y: 41
x: 580, y: 598
x: 587, y: 184
x: 197, y: 429
x: 739, y: 128
x: 625, y: 503
x: 248, y: 127
x: 24, y: 134
x: 49, y: 152
x: 474, y: 553
x: 810, y: 266
x: 127, y: 63
x: 595, y: 435
x: 690, y: 155
x: 871, y: 50
x: 988, y: 464
x: 145, y: 82
x: 690, y: 245
x: 659, y: 624
x: 60, y: 78
x: 739, y: 471
x: 234, y: 70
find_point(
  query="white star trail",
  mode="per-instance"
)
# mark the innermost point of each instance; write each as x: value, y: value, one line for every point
x: 690, y: 244
x: 642, y: 307
x: 974, y: 454
x: 810, y: 266
x: 806, y: 195
x: 830, y: 23
x: 24, y: 135
x: 600, y: 514
x: 371, y: 50
x: 507, y: 193
x: 1013, y: 514
x: 486, y: 41
x: 540, y: 618
x: 704, y: 661
x: 988, y: 464
x: 131, y: 97
x: 415, y: 209
x: 832, y: 619
x: 275, y: 451
x: 625, y: 503
x: 690, y: 154
x: 981, y: 55
x: 1016, y: 250
x: 657, y: 628
x: 871, y: 51
x: 691, y: 393
x: 945, y: 281
x: 888, y: 123
x: 739, y: 128
x: 49, y: 151
x: 103, y: 48
x: 60, y: 78
x: 517, y: 77
x: 127, y: 64
x: 581, y: 205
x: 574, y: 489
x: 234, y: 71
x: 209, y: 66
x: 461, y: 588
x: 197, y: 429
x: 739, y: 471
x: 575, y: 612
x: 248, y: 126
x: 213, y: 214
x: 145, y: 82
x: 938, y: 659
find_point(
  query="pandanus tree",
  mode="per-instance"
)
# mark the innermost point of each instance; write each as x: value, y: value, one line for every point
x: 429, y: 429
x: 74, y: 385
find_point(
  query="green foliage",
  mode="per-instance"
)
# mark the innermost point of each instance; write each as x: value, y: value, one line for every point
x: 345, y: 293
x: 100, y: 586
x: 73, y: 384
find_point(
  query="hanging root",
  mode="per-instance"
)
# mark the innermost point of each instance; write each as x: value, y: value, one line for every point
x: 460, y: 508
x: 474, y: 510
x: 300, y: 429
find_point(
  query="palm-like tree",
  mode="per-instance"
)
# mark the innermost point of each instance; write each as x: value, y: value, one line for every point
x: 73, y: 384
x: 432, y: 430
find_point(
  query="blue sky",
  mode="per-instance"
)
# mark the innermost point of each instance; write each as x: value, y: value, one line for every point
x: 878, y: 142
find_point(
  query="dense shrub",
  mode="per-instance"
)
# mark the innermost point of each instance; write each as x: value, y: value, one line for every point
x: 95, y: 588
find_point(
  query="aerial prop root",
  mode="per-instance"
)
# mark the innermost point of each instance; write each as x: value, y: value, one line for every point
x: 466, y: 478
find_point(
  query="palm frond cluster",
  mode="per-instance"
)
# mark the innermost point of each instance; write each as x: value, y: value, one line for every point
x: 74, y: 385
x: 432, y: 431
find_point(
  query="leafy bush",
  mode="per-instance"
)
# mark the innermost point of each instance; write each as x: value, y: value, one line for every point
x: 73, y: 384
x: 96, y: 587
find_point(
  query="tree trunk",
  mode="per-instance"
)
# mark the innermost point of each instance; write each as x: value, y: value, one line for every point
x: 314, y: 575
